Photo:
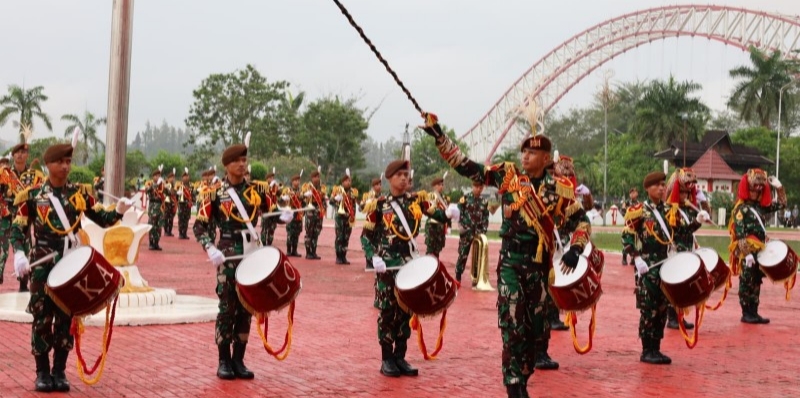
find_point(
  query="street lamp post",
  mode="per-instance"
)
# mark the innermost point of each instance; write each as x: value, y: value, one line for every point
x: 778, y: 149
x: 684, y: 117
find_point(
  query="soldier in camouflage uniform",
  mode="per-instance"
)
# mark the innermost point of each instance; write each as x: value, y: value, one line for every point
x: 530, y: 198
x: 748, y: 236
x: 314, y: 195
x: 344, y: 201
x: 99, y: 184
x: 14, y: 180
x: 435, y: 232
x: 390, y: 246
x: 290, y: 197
x: 216, y: 203
x: 154, y: 190
x: 183, y: 191
x: 5, y: 218
x: 633, y: 194
x: 51, y: 326
x: 682, y: 216
x: 269, y: 224
x: 474, y: 221
x: 367, y: 205
x: 170, y: 204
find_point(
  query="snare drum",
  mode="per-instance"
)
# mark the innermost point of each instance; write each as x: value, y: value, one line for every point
x: 595, y: 257
x: 578, y: 290
x: 715, y: 266
x: 266, y: 281
x: 685, y: 280
x: 424, y: 286
x: 83, y: 282
x: 778, y: 261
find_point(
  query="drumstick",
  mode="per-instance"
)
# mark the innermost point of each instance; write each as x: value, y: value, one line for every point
x: 709, y: 222
x: 135, y: 202
x: 277, y: 213
x: 42, y: 260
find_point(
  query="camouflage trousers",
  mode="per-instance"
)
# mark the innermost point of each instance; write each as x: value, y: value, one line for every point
x: 434, y: 238
x: 343, y: 231
x: 522, y: 313
x: 464, y: 244
x: 313, y: 229
x: 233, y: 320
x: 293, y: 230
x: 392, y: 320
x: 652, y: 305
x: 750, y: 280
x: 268, y: 226
x: 50, y: 328
x: 184, y: 214
x: 169, y: 217
x: 5, y: 232
x: 155, y: 217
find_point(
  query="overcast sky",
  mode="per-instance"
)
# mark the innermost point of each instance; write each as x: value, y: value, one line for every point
x: 456, y: 56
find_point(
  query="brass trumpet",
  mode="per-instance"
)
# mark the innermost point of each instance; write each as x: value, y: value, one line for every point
x: 479, y: 271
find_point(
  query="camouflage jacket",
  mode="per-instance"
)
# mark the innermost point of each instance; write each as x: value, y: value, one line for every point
x: 643, y: 234
x: 35, y: 209
x: 474, y: 214
x: 384, y: 234
x: 155, y: 193
x: 347, y: 206
x: 317, y: 199
x: 683, y: 220
x: 530, y: 206
x: 13, y: 182
x: 747, y: 227
x: 441, y: 202
x: 216, y: 208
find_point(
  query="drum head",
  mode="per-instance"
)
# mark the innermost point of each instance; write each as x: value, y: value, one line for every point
x: 416, y: 272
x: 587, y: 250
x: 258, y: 266
x: 568, y: 279
x: 773, y: 254
x: 680, y: 267
x: 709, y: 256
x: 69, y: 266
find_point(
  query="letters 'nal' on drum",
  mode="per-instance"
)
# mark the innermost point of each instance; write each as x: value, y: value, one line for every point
x: 578, y: 290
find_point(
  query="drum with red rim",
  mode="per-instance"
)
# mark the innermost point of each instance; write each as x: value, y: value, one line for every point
x: 778, y: 261
x: 83, y: 282
x: 577, y: 290
x: 424, y: 286
x: 685, y: 280
x: 266, y: 281
x: 715, y: 266
x: 595, y: 257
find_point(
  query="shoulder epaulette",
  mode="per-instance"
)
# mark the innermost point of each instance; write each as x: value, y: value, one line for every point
x: 370, y: 206
x: 564, y: 188
x: 634, y: 212
x: 23, y: 195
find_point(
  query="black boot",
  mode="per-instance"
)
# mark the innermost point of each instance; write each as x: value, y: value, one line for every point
x: 224, y: 371
x: 648, y: 353
x: 556, y: 323
x: 543, y: 360
x: 664, y: 360
x: 458, y: 277
x: 312, y: 254
x: 339, y: 258
x: 23, y: 284
x: 624, y: 258
x: 516, y: 391
x: 237, y: 361
x: 43, y: 383
x: 406, y: 369
x: 344, y: 258
x: 60, y: 382
x: 388, y: 364
x: 672, y: 318
x: 750, y: 315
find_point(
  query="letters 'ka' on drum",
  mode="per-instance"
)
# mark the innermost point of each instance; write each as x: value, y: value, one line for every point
x: 266, y: 281
x: 83, y: 282
x: 424, y: 286
x: 778, y: 261
x: 685, y: 280
x: 715, y: 266
x: 578, y: 290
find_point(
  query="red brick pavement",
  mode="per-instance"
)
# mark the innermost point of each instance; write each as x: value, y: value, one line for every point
x: 335, y: 352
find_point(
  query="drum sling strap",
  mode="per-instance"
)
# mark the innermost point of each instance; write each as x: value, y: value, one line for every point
x: 70, y: 241
x: 663, y: 228
x: 247, y: 243
x: 412, y: 242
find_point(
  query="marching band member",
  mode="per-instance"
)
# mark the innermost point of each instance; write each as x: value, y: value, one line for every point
x: 344, y: 200
x: 269, y: 224
x: 391, y: 227
x: 531, y: 198
x: 154, y: 189
x: 474, y: 221
x: 633, y: 201
x: 748, y: 236
x: 170, y: 203
x: 54, y: 211
x: 314, y: 194
x: 290, y: 197
x: 435, y: 232
x: 183, y: 190
x: 99, y: 184
x: 5, y: 217
x: 367, y: 205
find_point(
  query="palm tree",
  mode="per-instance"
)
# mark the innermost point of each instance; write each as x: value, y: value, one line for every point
x: 509, y: 155
x: 659, y: 112
x: 756, y: 97
x: 88, y: 127
x: 27, y: 103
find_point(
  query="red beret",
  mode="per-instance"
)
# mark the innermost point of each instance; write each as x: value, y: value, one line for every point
x: 654, y: 178
x: 20, y: 147
x: 540, y: 142
x: 396, y: 166
x: 376, y: 181
x: 57, y: 152
x: 233, y: 152
x: 315, y: 173
x: 437, y: 181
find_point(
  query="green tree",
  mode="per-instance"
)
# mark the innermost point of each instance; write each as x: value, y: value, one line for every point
x: 509, y: 155
x: 170, y: 161
x: 628, y: 162
x: 88, y: 127
x: 762, y: 138
x: 333, y: 132
x: 755, y: 97
x: 288, y: 166
x: 135, y: 164
x: 97, y: 163
x: 26, y: 103
x: 659, y: 113
x: 81, y: 174
x: 258, y: 170
x: 38, y: 146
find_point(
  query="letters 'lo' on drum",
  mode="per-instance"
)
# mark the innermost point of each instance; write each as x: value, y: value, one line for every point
x: 715, y: 266
x: 685, y: 280
x: 578, y: 290
x: 424, y: 286
x: 266, y: 281
x: 778, y: 261
x: 83, y: 282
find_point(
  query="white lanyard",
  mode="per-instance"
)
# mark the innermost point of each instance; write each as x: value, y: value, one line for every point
x: 660, y: 220
x: 758, y: 217
x: 411, y: 241
x: 62, y: 216
x: 242, y: 211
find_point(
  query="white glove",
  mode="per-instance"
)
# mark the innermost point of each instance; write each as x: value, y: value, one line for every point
x: 286, y: 216
x: 307, y: 194
x: 452, y: 212
x: 21, y: 264
x: 701, y: 197
x: 641, y: 266
x: 703, y: 216
x: 338, y: 198
x: 123, y: 205
x: 273, y: 183
x: 774, y: 182
x: 749, y: 260
x: 378, y: 264
x: 216, y: 256
x: 285, y: 198
x: 582, y: 190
